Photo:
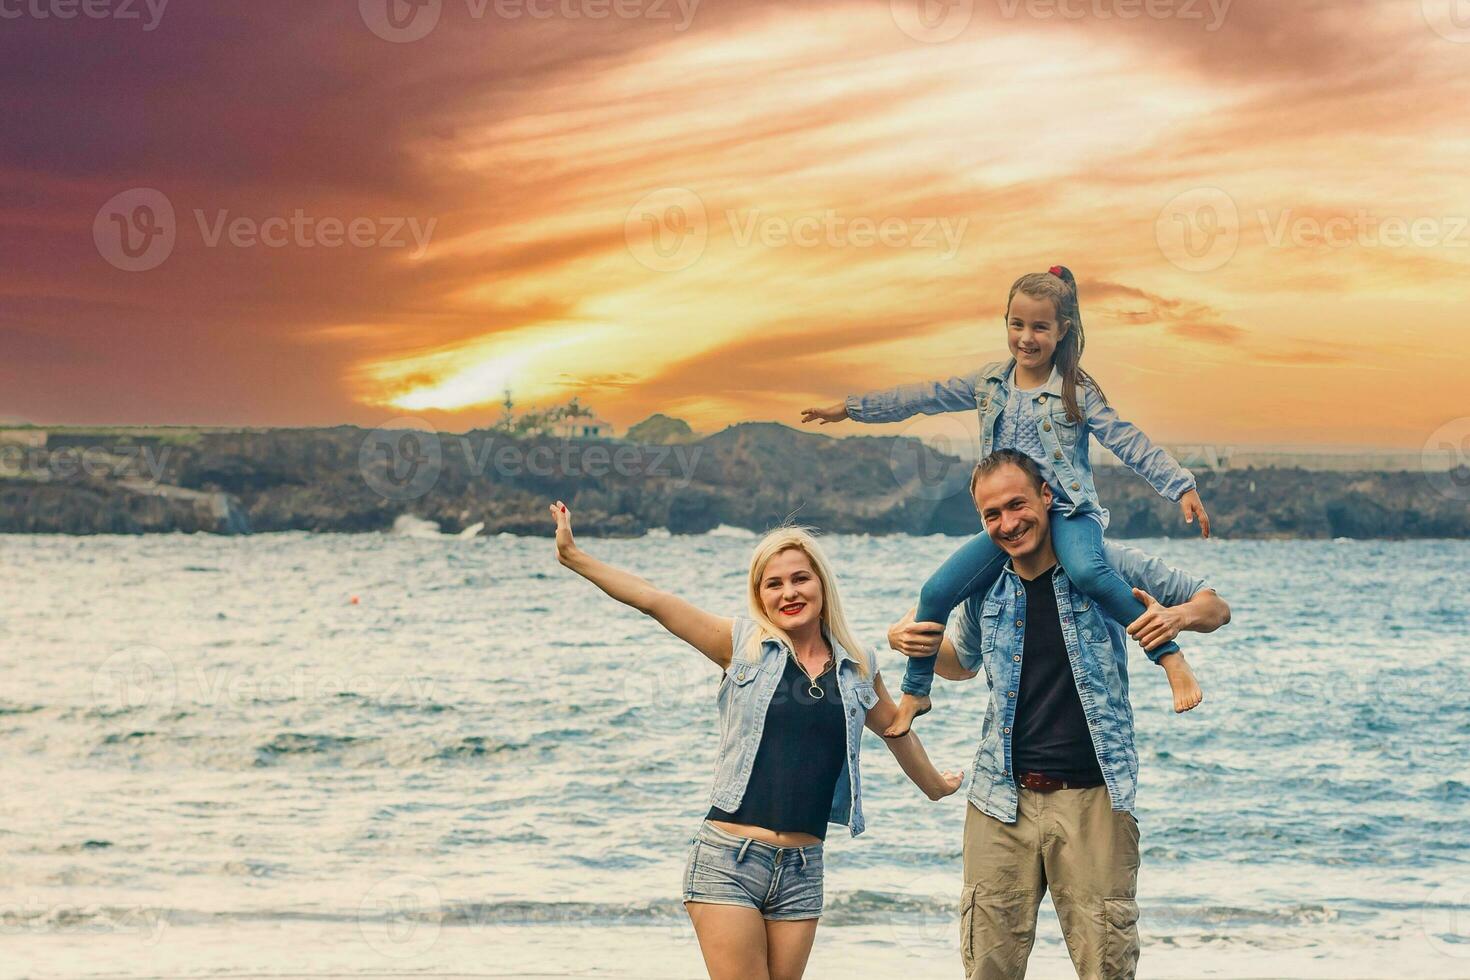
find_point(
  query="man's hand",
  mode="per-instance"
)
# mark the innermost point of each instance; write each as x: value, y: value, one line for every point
x: 832, y: 413
x: 1159, y: 623
x: 915, y: 639
x: 1191, y: 507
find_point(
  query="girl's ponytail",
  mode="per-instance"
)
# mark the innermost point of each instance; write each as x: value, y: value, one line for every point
x: 1060, y: 286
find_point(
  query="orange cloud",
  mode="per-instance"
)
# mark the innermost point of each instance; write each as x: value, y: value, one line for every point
x: 865, y: 201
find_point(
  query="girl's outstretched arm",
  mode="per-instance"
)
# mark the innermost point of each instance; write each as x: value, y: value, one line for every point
x: 706, y: 632
x: 825, y: 416
x: 895, y: 404
x: 1136, y: 451
x: 908, y: 750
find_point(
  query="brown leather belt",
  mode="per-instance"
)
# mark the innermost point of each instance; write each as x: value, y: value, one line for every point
x: 1042, y: 783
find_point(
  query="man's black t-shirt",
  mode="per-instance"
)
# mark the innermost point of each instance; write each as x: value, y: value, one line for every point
x: 1051, y: 729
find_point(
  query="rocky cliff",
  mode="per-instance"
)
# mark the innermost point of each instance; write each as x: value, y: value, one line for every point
x: 752, y: 475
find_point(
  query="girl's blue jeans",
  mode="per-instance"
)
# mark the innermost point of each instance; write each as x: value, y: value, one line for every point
x: 1078, y: 542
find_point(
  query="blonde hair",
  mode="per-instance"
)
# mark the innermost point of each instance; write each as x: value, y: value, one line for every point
x: 832, y: 616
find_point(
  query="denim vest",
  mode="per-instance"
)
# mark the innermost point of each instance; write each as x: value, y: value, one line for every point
x: 990, y: 634
x: 1066, y: 465
x: 745, y: 694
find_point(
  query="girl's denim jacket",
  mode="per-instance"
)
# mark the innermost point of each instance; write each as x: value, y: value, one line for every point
x: 987, y: 391
x: 745, y: 693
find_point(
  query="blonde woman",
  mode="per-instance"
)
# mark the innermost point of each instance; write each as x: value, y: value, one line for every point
x: 797, y: 691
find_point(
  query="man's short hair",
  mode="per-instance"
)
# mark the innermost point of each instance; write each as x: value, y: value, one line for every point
x: 1008, y: 457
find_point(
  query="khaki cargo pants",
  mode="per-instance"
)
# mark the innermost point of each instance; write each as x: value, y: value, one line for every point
x: 1072, y: 842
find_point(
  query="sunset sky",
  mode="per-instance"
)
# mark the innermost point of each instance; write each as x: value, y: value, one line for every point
x: 672, y: 205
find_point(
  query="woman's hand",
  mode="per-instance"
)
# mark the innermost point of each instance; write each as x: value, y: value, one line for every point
x: 907, y: 748
x: 1158, y: 624
x: 949, y: 783
x: 832, y: 413
x: 566, y: 548
x: 1191, y: 507
x: 705, y: 632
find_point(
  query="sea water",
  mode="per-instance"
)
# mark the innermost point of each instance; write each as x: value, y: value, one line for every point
x: 416, y: 754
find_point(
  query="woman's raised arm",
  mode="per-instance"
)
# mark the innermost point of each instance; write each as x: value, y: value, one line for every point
x: 706, y: 632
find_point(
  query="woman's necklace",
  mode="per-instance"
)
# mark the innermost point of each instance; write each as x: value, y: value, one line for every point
x: 813, y: 690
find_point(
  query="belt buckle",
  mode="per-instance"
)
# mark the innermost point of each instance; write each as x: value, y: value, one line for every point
x: 1041, y: 783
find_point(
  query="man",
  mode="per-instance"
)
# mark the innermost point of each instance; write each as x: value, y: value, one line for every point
x: 1056, y: 772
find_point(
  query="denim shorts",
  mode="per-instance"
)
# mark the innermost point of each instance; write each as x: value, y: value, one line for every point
x: 778, y: 882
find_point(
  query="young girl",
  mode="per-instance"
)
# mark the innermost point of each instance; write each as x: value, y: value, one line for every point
x: 1042, y: 403
x: 796, y: 692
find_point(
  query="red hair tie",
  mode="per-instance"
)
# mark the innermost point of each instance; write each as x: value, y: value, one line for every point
x: 1056, y: 270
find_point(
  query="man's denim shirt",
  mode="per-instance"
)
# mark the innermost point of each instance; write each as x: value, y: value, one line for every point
x: 744, y: 697
x: 989, y: 634
x: 1066, y: 464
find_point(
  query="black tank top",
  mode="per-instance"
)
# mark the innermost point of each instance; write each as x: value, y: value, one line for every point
x: 799, y: 759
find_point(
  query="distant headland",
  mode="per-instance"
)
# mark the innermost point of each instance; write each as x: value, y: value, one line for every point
x: 660, y: 474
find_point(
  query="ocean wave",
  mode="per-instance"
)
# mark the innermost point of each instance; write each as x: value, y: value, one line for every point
x: 474, y: 747
x: 409, y: 526
x: 153, y: 750
x: 566, y: 747
x: 727, y: 531
x: 299, y: 743
x: 1450, y: 791
x: 856, y: 908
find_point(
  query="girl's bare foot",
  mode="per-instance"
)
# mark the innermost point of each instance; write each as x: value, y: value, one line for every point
x: 910, y: 706
x: 1181, y: 681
